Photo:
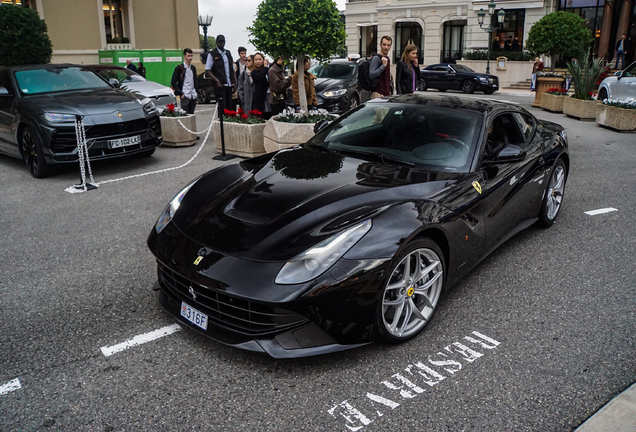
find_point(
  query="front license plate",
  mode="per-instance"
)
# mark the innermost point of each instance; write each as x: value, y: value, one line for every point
x: 123, y: 142
x: 194, y: 316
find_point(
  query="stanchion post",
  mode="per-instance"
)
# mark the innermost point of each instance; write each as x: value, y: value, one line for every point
x: 220, y: 100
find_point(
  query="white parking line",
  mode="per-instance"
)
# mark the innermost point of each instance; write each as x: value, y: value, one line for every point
x: 12, y: 385
x: 141, y: 339
x: 601, y: 211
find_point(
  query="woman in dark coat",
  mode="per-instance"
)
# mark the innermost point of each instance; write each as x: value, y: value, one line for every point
x: 278, y: 85
x: 407, y: 71
x: 261, y: 84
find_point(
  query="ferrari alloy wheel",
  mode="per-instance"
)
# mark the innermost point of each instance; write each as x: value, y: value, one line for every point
x: 412, y: 292
x: 553, y: 195
x: 468, y: 87
x: 31, y: 151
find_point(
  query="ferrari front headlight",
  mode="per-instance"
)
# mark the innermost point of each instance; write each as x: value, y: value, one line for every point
x: 171, y: 208
x: 315, y: 261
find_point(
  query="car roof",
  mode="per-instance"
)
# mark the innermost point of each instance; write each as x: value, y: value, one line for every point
x: 44, y: 66
x: 344, y: 61
x: 481, y: 105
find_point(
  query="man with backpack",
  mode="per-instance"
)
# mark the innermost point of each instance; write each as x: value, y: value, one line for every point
x: 380, y: 69
x: 184, y: 82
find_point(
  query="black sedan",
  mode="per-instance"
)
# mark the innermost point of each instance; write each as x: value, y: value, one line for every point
x: 39, y: 105
x: 353, y: 236
x: 337, y: 88
x: 446, y: 76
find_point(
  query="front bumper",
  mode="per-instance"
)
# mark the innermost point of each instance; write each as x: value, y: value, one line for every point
x: 491, y: 86
x: 247, y: 310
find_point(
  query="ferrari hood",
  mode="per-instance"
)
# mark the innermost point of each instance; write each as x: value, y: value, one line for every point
x: 262, y: 208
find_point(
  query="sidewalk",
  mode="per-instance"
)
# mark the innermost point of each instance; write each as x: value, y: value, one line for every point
x: 618, y: 415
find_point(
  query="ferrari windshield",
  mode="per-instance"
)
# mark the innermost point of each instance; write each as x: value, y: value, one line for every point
x: 333, y: 70
x: 415, y: 134
x: 56, y: 79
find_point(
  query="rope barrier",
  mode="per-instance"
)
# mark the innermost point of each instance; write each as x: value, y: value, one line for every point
x: 81, y: 132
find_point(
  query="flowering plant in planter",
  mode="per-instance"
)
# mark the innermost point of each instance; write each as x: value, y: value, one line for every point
x: 290, y: 115
x: 252, y: 117
x: 171, y: 111
x: 556, y: 91
x: 550, y: 74
x: 625, y: 104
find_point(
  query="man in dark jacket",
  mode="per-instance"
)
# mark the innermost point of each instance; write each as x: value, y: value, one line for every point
x: 622, y: 45
x: 184, y: 82
x: 131, y: 66
x: 220, y: 68
x: 381, y: 67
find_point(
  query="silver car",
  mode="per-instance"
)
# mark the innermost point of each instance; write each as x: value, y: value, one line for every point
x: 621, y: 86
x: 135, y: 83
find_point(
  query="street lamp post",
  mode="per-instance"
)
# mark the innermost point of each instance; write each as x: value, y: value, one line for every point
x: 205, y: 22
x: 490, y: 29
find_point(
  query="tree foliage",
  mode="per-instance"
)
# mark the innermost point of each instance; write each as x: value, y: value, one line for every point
x: 23, y: 38
x: 559, y: 33
x: 294, y: 28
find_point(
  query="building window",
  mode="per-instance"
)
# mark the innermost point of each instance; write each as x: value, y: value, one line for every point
x: 512, y: 27
x: 115, y: 21
x: 453, y: 41
x: 408, y: 33
x: 368, y: 40
x: 592, y: 12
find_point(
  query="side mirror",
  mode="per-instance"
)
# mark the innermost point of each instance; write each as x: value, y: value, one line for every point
x: 320, y: 125
x: 510, y: 153
x: 114, y: 82
x: 4, y: 91
x: 618, y: 74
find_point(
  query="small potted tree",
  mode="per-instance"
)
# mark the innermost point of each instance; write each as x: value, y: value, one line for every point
x: 558, y: 34
x: 585, y: 73
x: 23, y: 38
x: 295, y: 29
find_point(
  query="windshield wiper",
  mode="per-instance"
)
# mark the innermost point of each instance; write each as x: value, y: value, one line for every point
x: 382, y: 156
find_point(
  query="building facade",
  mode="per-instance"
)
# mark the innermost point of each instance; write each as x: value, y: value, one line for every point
x: 78, y: 29
x: 443, y: 29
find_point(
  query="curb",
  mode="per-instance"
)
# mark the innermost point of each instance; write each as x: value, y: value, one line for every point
x: 618, y: 415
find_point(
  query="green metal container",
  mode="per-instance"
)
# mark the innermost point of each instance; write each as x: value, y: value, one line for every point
x: 171, y: 58
x: 107, y: 57
x: 155, y: 66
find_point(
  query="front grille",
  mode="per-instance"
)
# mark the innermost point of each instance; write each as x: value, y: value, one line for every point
x: 64, y: 140
x: 244, y: 316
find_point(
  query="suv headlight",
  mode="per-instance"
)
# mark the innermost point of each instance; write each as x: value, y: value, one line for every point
x: 148, y: 106
x: 59, y: 118
x: 171, y: 208
x: 334, y: 93
x: 315, y: 261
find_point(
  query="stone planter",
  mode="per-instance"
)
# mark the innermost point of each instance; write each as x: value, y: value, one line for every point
x: 619, y: 119
x: 279, y: 135
x: 241, y: 139
x: 174, y: 135
x: 585, y: 110
x: 543, y: 84
x: 553, y: 103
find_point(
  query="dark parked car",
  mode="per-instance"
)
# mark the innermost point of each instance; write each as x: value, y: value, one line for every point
x: 205, y: 88
x: 39, y: 105
x: 353, y: 236
x: 337, y: 88
x: 445, y: 76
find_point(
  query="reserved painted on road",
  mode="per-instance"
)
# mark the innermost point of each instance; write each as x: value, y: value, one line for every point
x: 413, y: 381
x: 601, y: 211
x: 12, y: 385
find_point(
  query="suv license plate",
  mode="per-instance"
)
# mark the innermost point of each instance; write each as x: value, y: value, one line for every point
x: 123, y: 142
x: 194, y: 316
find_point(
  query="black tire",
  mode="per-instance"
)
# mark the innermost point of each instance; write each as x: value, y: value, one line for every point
x: 553, y: 195
x: 146, y: 153
x: 468, y: 87
x: 421, y: 85
x: 202, y: 96
x: 353, y: 102
x: 401, y: 288
x: 31, y: 151
x: 602, y: 94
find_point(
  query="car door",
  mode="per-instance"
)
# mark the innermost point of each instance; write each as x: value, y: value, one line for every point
x: 510, y: 189
x: 625, y: 86
x: 454, y: 79
x: 7, y: 114
x: 446, y: 78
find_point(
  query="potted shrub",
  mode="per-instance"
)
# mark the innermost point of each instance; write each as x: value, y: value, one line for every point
x: 617, y: 115
x: 552, y: 99
x: 545, y: 81
x: 23, y: 37
x: 292, y: 128
x: 243, y: 133
x: 583, y: 104
x: 174, y: 135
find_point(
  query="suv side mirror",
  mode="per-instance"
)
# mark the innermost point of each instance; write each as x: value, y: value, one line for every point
x: 320, y: 125
x: 114, y: 82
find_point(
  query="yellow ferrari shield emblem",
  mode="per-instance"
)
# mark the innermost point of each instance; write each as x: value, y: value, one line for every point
x: 198, y: 260
x: 477, y: 186
x: 410, y: 291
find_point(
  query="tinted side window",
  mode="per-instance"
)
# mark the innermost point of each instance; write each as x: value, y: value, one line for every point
x: 4, y: 79
x: 526, y: 125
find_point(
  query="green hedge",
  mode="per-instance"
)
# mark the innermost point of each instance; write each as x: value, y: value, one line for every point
x: 23, y: 38
x: 511, y: 55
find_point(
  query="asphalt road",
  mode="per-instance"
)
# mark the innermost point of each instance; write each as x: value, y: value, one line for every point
x: 554, y: 313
